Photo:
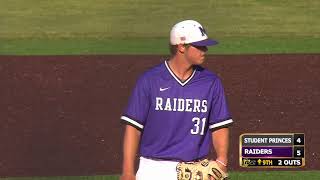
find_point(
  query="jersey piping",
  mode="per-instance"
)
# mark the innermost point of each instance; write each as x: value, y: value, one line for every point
x: 223, y: 123
x: 182, y: 83
x: 132, y: 122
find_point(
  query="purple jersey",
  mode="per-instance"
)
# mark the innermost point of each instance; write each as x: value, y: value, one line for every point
x: 176, y: 117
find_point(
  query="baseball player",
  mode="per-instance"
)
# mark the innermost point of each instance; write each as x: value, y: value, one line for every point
x: 177, y: 111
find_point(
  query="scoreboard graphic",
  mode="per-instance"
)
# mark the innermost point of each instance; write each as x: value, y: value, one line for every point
x: 272, y: 150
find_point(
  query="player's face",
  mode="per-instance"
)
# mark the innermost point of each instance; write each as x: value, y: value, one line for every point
x: 195, y: 54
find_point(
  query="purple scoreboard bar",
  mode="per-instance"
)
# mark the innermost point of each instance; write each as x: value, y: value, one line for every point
x: 272, y: 150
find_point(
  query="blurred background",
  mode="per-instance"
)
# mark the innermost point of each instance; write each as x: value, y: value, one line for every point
x: 142, y: 26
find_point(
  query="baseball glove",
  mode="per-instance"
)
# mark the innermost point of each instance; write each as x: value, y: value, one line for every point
x: 201, y: 170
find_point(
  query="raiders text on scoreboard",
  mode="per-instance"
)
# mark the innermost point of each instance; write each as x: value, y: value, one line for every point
x: 272, y: 150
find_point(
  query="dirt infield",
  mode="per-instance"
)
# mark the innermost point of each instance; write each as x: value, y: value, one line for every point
x: 60, y: 114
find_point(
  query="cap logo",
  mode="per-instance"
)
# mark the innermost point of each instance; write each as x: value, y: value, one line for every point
x: 203, y: 31
x: 182, y: 38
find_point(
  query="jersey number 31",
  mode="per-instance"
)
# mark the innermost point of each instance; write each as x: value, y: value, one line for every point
x: 199, y: 125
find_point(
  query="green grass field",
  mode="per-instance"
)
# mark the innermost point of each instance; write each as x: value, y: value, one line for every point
x: 228, y: 45
x: 142, y: 26
x: 270, y: 175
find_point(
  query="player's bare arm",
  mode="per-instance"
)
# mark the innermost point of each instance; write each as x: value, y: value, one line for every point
x: 220, y: 140
x: 130, y: 148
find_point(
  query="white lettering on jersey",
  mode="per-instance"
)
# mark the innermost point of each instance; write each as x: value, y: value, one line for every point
x: 168, y: 105
x: 188, y: 104
x: 158, y: 103
x: 196, y: 106
x: 174, y: 104
x: 204, y: 106
x: 181, y: 105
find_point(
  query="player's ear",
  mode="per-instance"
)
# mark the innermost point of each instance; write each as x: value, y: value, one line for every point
x: 181, y: 48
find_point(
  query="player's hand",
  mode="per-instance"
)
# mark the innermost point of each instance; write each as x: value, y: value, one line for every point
x: 223, y: 168
x: 128, y: 177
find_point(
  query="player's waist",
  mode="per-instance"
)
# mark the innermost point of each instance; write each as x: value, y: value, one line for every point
x: 173, y: 160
